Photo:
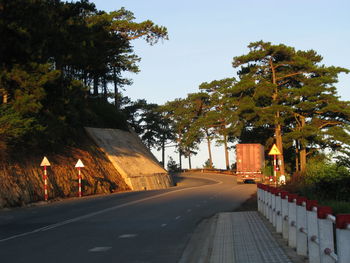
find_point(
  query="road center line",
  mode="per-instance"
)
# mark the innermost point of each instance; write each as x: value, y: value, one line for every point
x: 75, y: 219
x: 128, y: 236
x: 99, y: 249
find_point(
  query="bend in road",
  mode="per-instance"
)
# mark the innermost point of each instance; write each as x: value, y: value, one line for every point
x: 149, y: 226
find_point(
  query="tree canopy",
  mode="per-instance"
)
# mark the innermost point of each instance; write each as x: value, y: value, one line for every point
x: 56, y: 61
x: 282, y: 95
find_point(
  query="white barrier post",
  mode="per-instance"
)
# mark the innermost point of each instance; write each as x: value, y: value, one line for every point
x: 263, y: 200
x: 343, y: 238
x: 273, y: 206
x: 278, y: 212
x: 258, y: 197
x: 284, y: 215
x: 262, y: 195
x: 325, y: 230
x: 301, y: 240
x: 292, y: 220
x: 312, y: 231
x: 269, y: 201
x: 266, y: 206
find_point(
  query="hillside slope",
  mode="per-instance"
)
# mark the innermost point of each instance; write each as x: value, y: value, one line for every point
x: 21, y: 181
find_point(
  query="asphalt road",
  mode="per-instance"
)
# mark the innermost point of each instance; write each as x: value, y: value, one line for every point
x: 148, y: 226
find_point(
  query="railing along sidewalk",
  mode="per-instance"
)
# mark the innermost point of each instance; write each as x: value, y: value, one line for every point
x: 312, y: 230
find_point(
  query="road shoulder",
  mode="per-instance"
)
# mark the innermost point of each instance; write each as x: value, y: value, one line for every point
x: 201, y: 244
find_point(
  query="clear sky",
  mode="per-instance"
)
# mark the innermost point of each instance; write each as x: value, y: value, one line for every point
x: 205, y: 35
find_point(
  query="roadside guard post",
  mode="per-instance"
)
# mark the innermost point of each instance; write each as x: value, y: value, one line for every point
x: 79, y: 165
x: 44, y: 163
x: 274, y: 151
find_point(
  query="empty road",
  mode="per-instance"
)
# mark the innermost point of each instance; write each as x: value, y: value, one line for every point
x: 147, y: 226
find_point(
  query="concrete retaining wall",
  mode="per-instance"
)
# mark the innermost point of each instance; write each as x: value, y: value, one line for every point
x: 136, y: 164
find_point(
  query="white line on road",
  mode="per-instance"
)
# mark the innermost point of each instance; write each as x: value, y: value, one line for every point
x: 189, y: 210
x: 99, y: 249
x: 75, y: 219
x: 178, y: 217
x: 128, y: 236
x: 164, y: 225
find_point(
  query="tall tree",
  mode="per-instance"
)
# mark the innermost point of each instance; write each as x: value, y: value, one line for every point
x: 75, y: 49
x: 149, y: 122
x: 221, y: 116
x: 121, y: 24
x: 271, y: 76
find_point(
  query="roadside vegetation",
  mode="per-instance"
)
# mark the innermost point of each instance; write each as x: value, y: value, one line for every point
x: 62, y: 65
x: 325, y: 181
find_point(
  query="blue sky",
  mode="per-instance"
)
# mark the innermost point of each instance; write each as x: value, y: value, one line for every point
x: 205, y: 35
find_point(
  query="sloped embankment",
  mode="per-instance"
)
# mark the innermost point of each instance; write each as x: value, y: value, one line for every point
x: 21, y: 181
x: 135, y: 163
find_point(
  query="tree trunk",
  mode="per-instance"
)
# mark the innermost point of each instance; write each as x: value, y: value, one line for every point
x: 163, y: 152
x: 302, y: 148
x: 302, y: 160
x: 105, y: 95
x: 278, y: 129
x: 95, y: 86
x: 180, y: 161
x: 297, y: 156
x: 226, y: 153
x: 4, y: 97
x: 189, y: 162
x: 279, y: 143
x: 116, y: 91
x: 209, y: 151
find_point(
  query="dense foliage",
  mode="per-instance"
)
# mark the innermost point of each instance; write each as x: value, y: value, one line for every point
x: 56, y: 61
x: 283, y: 96
x: 327, y: 182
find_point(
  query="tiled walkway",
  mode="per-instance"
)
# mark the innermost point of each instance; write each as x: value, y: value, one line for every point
x: 242, y: 237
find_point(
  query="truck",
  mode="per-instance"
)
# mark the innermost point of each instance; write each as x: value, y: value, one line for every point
x: 250, y: 160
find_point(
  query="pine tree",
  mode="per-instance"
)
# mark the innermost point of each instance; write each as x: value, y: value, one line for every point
x: 283, y: 88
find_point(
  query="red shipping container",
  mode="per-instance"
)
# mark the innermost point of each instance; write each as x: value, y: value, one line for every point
x: 250, y: 159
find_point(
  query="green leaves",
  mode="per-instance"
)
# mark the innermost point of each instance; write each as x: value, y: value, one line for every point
x: 55, y: 53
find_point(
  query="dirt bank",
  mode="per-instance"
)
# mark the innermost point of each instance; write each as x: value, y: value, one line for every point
x: 21, y: 181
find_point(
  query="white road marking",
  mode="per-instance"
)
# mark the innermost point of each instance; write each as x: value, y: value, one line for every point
x: 178, y: 217
x: 164, y: 225
x: 75, y: 219
x: 198, y: 205
x: 99, y: 249
x: 128, y: 236
x: 189, y: 210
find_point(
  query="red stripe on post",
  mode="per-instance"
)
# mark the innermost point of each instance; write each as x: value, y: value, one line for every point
x: 277, y: 191
x: 300, y: 200
x: 323, y: 211
x: 291, y: 197
x: 284, y: 194
x: 310, y: 204
x: 342, y: 221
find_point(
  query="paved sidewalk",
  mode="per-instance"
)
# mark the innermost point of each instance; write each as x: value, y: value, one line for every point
x: 237, y: 237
